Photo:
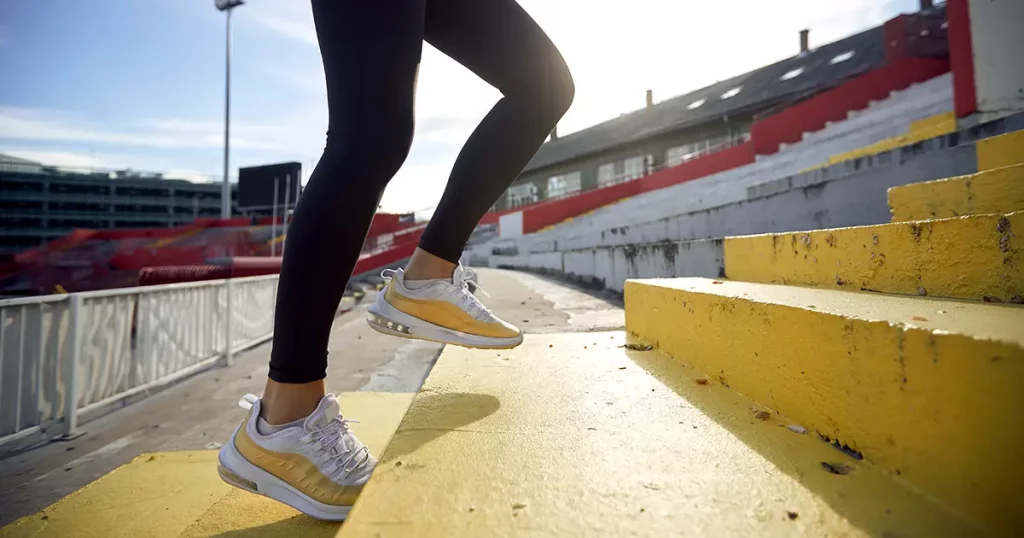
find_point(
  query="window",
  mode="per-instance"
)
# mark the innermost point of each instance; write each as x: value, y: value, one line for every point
x: 635, y: 167
x: 563, y: 184
x: 605, y: 174
x: 522, y: 194
x: 679, y: 154
x: 792, y: 73
x: 732, y: 93
x: 841, y: 57
x: 696, y: 104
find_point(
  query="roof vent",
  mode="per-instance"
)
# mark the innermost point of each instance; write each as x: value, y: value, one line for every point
x: 804, y: 40
x: 840, y: 58
x: 793, y: 73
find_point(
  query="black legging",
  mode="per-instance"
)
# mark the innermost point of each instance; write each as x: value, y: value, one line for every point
x: 371, y: 52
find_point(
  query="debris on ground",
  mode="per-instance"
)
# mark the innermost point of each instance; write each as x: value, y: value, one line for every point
x: 792, y: 515
x: 918, y: 318
x: 702, y: 381
x: 796, y: 428
x: 638, y: 347
x: 622, y: 367
x: 716, y: 281
x: 213, y: 445
x: 518, y: 506
x: 836, y: 468
x: 761, y: 414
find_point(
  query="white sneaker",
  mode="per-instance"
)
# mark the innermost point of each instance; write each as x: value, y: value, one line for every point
x: 318, y: 468
x: 441, y: 311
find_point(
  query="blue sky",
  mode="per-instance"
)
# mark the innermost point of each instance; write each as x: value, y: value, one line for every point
x: 120, y: 83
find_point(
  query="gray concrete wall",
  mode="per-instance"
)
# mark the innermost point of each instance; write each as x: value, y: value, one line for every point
x: 681, y: 246
x: 801, y: 202
x: 610, y: 267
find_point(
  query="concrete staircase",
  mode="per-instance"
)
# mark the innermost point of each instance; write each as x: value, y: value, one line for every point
x: 918, y: 372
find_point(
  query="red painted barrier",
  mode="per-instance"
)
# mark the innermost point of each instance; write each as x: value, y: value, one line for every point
x: 961, y: 58
x: 705, y: 165
x: 788, y: 126
x: 536, y: 217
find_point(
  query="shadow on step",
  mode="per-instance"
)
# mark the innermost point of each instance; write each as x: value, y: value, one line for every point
x: 879, y: 504
x: 444, y: 412
x: 241, y: 514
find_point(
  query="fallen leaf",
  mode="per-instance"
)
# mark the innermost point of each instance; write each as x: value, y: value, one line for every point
x: 518, y: 506
x: 622, y: 367
x: 762, y: 415
x: 716, y: 281
x: 638, y: 347
x: 918, y: 318
x: 792, y: 515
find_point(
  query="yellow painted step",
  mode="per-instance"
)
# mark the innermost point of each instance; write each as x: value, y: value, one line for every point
x: 175, y: 494
x: 999, y: 151
x: 999, y: 190
x: 927, y: 389
x: 973, y: 257
x: 572, y: 435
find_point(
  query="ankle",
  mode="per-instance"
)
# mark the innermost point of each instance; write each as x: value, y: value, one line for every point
x: 425, y: 266
x: 287, y: 402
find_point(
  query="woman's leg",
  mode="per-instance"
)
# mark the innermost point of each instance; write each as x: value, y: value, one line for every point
x: 500, y: 43
x: 371, y: 52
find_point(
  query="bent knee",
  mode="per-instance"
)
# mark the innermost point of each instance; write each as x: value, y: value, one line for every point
x: 376, y: 148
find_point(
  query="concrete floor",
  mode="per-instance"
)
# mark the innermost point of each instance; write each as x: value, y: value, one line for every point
x: 201, y: 411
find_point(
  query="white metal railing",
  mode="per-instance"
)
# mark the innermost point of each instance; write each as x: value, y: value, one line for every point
x: 68, y: 357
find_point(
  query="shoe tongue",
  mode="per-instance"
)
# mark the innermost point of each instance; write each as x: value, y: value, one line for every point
x: 325, y: 412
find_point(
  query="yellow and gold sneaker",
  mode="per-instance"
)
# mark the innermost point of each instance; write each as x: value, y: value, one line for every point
x: 440, y: 311
x: 315, y: 465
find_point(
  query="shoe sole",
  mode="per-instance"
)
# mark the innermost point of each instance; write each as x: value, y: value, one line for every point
x: 234, y: 469
x: 386, y: 319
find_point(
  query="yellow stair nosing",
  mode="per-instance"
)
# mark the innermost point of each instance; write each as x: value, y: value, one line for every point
x: 971, y: 257
x: 998, y: 190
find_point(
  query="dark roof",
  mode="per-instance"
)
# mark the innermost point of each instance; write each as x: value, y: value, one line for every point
x: 760, y: 89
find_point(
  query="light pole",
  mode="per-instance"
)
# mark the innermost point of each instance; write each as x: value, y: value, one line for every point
x: 225, y: 193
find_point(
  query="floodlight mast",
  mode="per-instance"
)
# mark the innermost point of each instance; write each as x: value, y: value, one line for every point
x: 225, y: 193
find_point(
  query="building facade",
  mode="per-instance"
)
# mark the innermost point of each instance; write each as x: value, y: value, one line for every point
x: 670, y: 132
x: 40, y: 203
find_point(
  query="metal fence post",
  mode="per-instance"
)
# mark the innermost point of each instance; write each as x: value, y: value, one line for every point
x: 71, y: 368
x: 228, y: 314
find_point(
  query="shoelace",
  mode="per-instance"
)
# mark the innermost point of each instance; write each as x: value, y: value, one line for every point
x: 327, y: 439
x: 461, y: 280
x: 466, y: 281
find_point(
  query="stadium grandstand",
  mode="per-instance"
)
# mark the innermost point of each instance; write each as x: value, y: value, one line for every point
x: 810, y: 325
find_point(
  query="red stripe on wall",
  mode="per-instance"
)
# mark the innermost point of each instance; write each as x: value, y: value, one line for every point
x: 788, y: 126
x: 961, y: 58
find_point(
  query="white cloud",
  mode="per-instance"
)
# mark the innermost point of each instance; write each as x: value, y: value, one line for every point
x: 191, y: 175
x: 288, y: 18
x: 30, y: 124
x: 55, y: 158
